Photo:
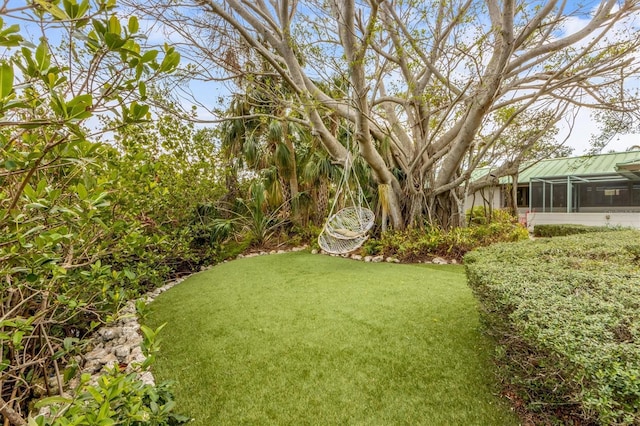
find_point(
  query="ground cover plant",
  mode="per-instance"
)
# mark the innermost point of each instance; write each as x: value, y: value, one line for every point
x: 485, y: 228
x: 565, y: 311
x: 562, y: 230
x: 303, y: 339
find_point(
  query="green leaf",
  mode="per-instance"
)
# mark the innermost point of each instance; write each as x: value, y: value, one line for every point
x: 36, y: 206
x: 99, y: 26
x: 6, y: 80
x: 133, y: 25
x: 79, y: 107
x: 16, y: 338
x: 170, y: 61
x: 10, y: 37
x: 104, y: 412
x: 69, y: 373
x: 51, y: 80
x: 75, y: 10
x: 43, y: 59
x: 10, y: 165
x: 54, y: 10
x: 129, y: 274
x: 149, y: 56
x: 70, y: 8
x: 137, y: 111
x: 147, y: 332
x: 52, y: 400
x: 113, y: 25
x: 82, y: 191
x: 42, y: 184
x: 95, y: 394
x: 57, y: 104
x: 113, y: 41
x: 68, y: 343
x: 34, y: 230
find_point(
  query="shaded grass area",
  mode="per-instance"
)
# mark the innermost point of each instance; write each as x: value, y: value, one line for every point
x: 307, y: 339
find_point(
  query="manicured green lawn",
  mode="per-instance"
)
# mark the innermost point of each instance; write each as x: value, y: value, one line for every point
x: 300, y: 339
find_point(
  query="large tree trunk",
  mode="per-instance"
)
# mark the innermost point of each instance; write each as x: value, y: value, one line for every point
x: 285, y: 209
x: 447, y: 210
x: 321, y: 192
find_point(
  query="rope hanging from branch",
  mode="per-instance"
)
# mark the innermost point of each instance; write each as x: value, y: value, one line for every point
x: 346, y: 230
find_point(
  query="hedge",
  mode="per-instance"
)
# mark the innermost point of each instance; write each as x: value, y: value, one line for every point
x: 562, y: 230
x: 566, y: 316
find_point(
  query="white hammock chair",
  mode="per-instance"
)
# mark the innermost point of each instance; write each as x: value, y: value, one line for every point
x: 346, y: 230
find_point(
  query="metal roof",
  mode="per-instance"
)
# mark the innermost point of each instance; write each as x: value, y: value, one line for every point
x: 585, y: 166
x: 615, y: 164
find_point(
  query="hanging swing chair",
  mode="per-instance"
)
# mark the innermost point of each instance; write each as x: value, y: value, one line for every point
x: 350, y: 222
x: 346, y: 230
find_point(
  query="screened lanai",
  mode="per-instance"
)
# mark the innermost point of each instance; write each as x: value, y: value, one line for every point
x: 598, y: 183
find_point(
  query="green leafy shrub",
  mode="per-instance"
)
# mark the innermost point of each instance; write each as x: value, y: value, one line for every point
x: 414, y: 244
x: 481, y: 215
x: 565, y: 314
x: 561, y: 230
x: 477, y: 215
x: 117, y: 397
x: 372, y: 247
x: 85, y: 225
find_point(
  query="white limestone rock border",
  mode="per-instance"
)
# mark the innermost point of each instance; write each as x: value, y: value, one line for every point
x: 119, y: 343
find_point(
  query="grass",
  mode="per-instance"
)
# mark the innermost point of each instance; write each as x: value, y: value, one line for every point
x: 304, y: 339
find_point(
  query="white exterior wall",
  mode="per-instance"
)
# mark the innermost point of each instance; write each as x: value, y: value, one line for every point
x: 589, y: 219
x: 490, y: 197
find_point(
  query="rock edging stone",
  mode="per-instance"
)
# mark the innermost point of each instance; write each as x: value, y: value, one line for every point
x: 119, y: 343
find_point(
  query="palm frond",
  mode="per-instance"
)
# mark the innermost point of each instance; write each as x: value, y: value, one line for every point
x: 274, y: 133
x: 284, y: 159
x: 251, y: 151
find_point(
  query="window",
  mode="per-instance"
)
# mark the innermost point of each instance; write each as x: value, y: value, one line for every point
x: 559, y: 195
x: 522, y: 196
x: 606, y: 194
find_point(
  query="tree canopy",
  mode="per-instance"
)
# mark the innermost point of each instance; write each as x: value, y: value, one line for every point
x: 435, y: 89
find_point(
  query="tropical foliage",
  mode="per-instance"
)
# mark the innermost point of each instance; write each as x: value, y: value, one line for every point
x: 424, y: 244
x: 435, y: 89
x: 107, y: 191
x: 85, y: 225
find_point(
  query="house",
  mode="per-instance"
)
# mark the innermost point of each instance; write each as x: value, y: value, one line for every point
x: 599, y: 190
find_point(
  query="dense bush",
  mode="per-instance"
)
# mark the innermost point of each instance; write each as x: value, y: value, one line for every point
x: 85, y: 225
x: 565, y: 313
x: 117, y: 397
x: 415, y: 244
x: 562, y: 230
x: 481, y: 215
